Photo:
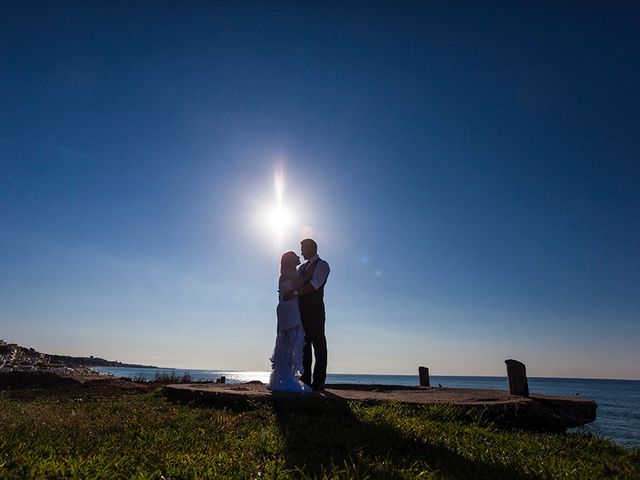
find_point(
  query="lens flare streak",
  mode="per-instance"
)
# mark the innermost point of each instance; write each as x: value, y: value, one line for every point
x: 279, y: 185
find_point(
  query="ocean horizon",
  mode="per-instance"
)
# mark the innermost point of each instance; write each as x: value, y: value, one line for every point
x: 617, y: 416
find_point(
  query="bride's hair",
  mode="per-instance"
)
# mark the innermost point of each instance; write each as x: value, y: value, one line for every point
x: 288, y: 262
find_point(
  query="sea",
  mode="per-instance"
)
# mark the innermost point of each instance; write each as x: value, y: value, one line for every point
x: 617, y: 416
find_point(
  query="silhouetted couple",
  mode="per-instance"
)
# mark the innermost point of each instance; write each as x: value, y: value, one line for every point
x: 301, y: 316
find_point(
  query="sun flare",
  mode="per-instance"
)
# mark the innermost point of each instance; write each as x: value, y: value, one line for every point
x: 277, y: 217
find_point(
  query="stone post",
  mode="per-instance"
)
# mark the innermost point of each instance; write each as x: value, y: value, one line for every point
x: 423, y: 372
x: 517, y: 374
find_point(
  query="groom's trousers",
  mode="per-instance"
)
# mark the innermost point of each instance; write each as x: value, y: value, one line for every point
x: 314, y: 338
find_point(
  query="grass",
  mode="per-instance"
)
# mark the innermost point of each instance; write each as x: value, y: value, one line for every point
x: 144, y: 436
x: 164, y: 378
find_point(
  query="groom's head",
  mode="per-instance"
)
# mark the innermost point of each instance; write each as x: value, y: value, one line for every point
x: 309, y: 248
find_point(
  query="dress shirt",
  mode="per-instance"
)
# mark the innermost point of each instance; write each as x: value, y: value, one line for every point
x: 320, y: 273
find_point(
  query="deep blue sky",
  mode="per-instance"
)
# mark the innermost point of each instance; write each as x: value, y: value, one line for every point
x: 471, y: 174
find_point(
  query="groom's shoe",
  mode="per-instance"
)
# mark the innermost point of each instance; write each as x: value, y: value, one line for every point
x: 317, y: 387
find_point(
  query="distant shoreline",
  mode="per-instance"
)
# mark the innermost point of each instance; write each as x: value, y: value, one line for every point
x: 14, y: 357
x: 95, y: 362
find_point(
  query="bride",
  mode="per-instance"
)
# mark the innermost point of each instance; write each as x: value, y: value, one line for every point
x: 286, y: 361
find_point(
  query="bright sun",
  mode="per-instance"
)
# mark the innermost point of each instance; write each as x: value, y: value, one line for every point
x: 279, y: 219
x: 276, y: 220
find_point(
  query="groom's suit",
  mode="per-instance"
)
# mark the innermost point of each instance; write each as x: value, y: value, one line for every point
x: 315, y: 272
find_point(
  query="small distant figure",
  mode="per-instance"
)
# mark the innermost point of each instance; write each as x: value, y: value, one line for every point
x: 286, y: 360
x: 440, y: 385
x: 313, y: 275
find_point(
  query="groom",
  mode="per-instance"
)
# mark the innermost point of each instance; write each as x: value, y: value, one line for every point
x: 314, y: 275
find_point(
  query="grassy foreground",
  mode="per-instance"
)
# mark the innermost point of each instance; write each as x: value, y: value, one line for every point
x: 145, y: 436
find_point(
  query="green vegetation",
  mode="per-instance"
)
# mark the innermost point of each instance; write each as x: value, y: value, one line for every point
x: 164, y: 378
x: 143, y: 435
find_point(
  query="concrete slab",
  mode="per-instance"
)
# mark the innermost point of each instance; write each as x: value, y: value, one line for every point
x: 536, y: 411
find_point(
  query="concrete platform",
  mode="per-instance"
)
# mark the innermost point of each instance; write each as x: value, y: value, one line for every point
x: 537, y: 412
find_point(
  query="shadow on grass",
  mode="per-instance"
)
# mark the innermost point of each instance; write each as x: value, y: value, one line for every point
x: 324, y: 436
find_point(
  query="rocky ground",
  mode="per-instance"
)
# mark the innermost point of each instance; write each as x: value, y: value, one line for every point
x: 32, y: 385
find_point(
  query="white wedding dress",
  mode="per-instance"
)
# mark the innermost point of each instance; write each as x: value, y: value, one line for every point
x: 286, y: 360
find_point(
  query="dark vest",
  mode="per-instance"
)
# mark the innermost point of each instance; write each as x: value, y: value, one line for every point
x: 315, y: 299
